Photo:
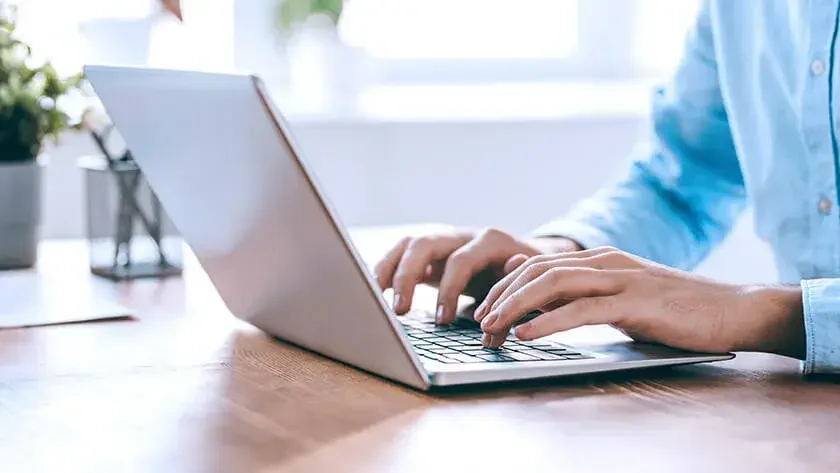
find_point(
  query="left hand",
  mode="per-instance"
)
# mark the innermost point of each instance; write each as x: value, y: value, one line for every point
x: 645, y: 300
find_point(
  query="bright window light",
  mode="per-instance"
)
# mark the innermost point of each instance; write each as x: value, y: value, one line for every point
x: 659, y: 31
x: 462, y: 29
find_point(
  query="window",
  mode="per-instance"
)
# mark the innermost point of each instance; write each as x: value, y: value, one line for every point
x: 508, y: 40
x: 71, y: 33
x: 462, y: 29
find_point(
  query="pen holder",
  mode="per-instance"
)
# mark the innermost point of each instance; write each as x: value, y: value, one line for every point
x: 129, y: 234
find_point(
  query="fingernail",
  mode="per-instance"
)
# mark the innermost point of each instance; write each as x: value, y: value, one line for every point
x: 397, y: 301
x: 521, y: 332
x: 439, y: 314
x: 489, y: 321
x: 486, y: 339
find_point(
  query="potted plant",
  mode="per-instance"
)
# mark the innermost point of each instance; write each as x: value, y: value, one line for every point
x: 29, y: 115
x: 292, y: 12
x: 322, y: 69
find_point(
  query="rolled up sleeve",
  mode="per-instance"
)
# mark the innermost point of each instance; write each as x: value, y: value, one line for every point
x: 821, y: 301
x: 683, y: 193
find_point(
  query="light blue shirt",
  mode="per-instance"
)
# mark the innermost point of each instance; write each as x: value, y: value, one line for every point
x: 750, y: 117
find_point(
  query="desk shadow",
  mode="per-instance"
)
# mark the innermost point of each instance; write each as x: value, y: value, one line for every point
x: 685, y: 378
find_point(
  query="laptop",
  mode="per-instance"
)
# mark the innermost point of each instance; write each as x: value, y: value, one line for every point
x: 220, y: 157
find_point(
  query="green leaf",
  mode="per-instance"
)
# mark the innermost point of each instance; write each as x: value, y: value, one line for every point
x: 294, y: 12
x: 332, y: 8
x: 27, y: 97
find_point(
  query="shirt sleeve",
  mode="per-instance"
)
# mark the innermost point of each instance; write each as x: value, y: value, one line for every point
x: 682, y: 194
x: 821, y: 301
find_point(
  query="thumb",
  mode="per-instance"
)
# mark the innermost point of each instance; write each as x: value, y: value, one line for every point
x: 514, y: 262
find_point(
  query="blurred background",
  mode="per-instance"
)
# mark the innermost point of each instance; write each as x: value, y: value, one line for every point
x: 469, y: 112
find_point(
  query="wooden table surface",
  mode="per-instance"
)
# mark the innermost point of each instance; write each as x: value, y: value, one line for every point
x: 187, y: 388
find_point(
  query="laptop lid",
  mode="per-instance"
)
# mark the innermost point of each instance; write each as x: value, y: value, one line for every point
x: 221, y: 159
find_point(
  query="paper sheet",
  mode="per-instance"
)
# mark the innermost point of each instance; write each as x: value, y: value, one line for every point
x: 30, y: 300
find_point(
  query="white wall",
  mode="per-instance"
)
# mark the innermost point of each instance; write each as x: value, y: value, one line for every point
x: 512, y: 174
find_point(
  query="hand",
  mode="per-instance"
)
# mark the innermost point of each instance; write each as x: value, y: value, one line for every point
x: 647, y: 301
x: 461, y: 262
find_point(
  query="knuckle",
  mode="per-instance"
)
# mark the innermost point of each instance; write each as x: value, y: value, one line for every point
x: 400, y: 278
x: 419, y: 243
x: 492, y: 232
x: 509, y: 308
x: 404, y: 242
x: 458, y: 258
x: 379, y: 271
x: 535, y: 260
x: 536, y: 270
x: 615, y: 257
x: 404, y: 276
x: 614, y: 254
x: 607, y: 257
x: 555, y: 275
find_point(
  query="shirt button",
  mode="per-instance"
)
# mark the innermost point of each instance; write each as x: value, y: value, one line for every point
x: 824, y: 206
x: 817, y: 67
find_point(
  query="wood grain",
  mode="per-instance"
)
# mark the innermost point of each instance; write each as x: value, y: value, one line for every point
x: 187, y: 388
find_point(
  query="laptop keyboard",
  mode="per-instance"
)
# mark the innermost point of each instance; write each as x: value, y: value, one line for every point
x: 459, y: 344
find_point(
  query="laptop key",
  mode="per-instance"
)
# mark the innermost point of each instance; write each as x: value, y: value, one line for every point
x: 448, y: 360
x: 440, y: 359
x: 575, y: 356
x: 465, y: 358
x: 521, y: 356
x: 440, y: 349
x: 495, y: 358
x: 558, y: 351
x: 542, y: 355
x: 548, y: 356
x: 476, y: 351
x: 542, y: 345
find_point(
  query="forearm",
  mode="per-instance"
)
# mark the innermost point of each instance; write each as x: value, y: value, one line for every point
x: 640, y: 216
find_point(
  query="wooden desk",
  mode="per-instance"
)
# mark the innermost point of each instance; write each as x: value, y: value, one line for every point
x: 186, y: 388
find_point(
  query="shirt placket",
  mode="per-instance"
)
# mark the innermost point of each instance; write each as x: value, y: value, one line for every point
x: 819, y: 118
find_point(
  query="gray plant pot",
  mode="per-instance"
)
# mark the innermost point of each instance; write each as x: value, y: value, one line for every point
x: 20, y: 214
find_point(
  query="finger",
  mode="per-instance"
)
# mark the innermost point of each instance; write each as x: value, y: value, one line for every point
x: 598, y: 258
x: 384, y: 270
x: 433, y: 273
x: 492, y: 341
x: 526, y: 272
x: 514, y: 262
x: 411, y: 270
x: 461, y: 266
x: 595, y: 311
x: 556, y: 283
x: 484, y: 308
x: 535, y: 271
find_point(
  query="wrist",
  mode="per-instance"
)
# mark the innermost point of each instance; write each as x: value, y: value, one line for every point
x: 773, y: 320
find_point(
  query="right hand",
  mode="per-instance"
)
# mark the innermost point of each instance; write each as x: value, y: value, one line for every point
x: 460, y: 262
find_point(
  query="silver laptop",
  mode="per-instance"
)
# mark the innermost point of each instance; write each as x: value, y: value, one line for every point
x: 221, y: 159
